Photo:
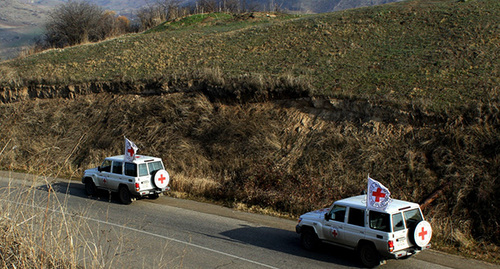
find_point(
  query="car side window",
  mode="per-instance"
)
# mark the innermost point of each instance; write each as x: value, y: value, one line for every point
x: 379, y: 221
x: 131, y: 169
x: 117, y: 168
x: 106, y: 166
x: 337, y: 213
x: 397, y: 222
x: 356, y: 217
x: 143, y: 170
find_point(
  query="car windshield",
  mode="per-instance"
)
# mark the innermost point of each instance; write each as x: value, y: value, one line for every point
x: 154, y: 166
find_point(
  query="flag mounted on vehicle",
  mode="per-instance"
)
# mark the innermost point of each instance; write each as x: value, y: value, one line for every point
x: 378, y: 195
x: 130, y: 150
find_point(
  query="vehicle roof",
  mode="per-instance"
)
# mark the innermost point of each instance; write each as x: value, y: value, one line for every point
x: 394, y: 206
x: 138, y: 158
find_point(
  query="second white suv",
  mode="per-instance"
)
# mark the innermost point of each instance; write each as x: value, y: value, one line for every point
x: 395, y: 232
x: 145, y: 176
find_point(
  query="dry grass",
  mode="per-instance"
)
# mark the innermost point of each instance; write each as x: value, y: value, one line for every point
x: 38, y: 231
x: 34, y: 236
x: 282, y: 158
x: 231, y: 112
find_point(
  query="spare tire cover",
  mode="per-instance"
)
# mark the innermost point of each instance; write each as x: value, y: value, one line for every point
x: 161, y: 179
x: 422, y: 233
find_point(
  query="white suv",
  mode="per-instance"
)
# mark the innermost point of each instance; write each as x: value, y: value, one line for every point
x: 145, y: 176
x: 397, y: 231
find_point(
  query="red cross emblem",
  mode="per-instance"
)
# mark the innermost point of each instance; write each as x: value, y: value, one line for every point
x: 334, y: 233
x: 131, y: 151
x: 161, y: 178
x: 423, y: 233
x: 378, y: 194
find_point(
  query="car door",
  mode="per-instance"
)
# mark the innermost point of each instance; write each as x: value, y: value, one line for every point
x: 116, y: 176
x: 103, y: 174
x: 334, y: 224
x: 354, y: 229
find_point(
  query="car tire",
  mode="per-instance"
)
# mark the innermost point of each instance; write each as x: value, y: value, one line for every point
x: 90, y: 187
x: 309, y: 240
x: 368, y: 255
x: 124, y: 195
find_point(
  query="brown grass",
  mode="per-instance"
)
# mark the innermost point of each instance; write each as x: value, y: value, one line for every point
x: 286, y: 157
x: 247, y: 115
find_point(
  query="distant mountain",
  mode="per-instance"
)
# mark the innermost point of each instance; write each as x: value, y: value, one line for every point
x: 318, y: 6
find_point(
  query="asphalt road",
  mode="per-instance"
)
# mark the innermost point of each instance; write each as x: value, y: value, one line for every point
x: 176, y: 233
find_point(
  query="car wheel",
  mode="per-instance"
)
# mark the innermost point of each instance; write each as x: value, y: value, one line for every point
x: 369, y: 255
x: 124, y: 195
x: 309, y: 240
x: 90, y: 187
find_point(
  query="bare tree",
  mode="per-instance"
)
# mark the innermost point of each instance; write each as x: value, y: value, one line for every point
x: 151, y: 16
x: 207, y: 6
x: 171, y: 8
x: 73, y: 23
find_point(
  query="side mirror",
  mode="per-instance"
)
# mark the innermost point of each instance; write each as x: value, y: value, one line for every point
x: 99, y: 169
x: 327, y: 216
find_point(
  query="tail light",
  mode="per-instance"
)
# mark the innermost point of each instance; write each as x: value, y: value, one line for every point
x: 390, y: 245
x: 137, y: 188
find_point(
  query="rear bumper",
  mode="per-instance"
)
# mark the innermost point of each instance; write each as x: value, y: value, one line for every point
x: 151, y: 192
x: 407, y: 252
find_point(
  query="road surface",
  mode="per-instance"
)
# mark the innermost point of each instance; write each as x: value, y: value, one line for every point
x: 176, y: 233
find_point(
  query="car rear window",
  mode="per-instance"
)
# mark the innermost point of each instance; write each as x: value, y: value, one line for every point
x: 412, y: 217
x: 154, y: 166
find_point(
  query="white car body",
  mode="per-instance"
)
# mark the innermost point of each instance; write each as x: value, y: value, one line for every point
x: 144, y: 176
x: 394, y: 232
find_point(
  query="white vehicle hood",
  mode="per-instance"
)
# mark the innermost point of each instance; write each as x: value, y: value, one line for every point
x: 91, y: 171
x: 315, y: 215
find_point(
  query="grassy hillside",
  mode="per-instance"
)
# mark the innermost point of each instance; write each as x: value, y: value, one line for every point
x: 439, y: 54
x: 284, y: 114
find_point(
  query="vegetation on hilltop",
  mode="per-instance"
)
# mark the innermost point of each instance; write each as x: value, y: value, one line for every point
x: 438, y: 54
x: 285, y: 113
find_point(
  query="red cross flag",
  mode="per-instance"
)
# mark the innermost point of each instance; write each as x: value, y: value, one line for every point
x: 378, y: 195
x: 130, y: 150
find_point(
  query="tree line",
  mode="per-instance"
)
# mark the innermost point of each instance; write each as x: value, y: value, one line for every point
x: 78, y: 21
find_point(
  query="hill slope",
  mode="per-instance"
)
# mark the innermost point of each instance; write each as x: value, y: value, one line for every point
x: 286, y: 113
x: 437, y: 54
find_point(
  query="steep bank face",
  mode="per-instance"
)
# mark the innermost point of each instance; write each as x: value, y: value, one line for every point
x: 291, y: 155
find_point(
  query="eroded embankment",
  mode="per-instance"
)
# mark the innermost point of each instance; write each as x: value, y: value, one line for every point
x: 286, y: 154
